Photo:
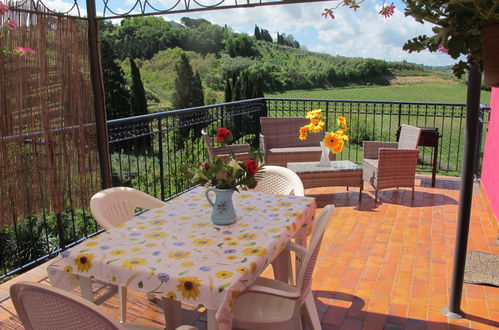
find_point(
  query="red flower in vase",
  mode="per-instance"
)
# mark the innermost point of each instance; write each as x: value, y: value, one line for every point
x: 224, y: 135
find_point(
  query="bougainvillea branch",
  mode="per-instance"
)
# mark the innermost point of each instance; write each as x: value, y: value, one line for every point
x: 386, y: 10
x: 10, y: 26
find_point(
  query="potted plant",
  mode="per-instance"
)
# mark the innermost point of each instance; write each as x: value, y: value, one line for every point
x: 467, y: 28
x: 462, y: 27
x: 224, y: 177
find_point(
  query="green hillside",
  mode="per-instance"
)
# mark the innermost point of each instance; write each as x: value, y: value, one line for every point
x: 442, y: 91
x: 218, y: 54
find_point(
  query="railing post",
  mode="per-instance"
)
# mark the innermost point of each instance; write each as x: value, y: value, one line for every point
x: 400, y: 115
x: 161, y: 166
x: 479, y: 143
x: 327, y: 114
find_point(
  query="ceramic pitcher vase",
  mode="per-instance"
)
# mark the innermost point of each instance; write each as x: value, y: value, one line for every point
x: 223, y: 207
x: 324, y: 162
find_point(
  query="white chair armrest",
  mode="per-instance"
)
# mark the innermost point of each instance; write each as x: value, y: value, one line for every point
x: 272, y: 291
x: 298, y: 249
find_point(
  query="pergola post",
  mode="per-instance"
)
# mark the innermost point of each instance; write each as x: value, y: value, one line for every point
x: 99, y: 98
x: 453, y: 310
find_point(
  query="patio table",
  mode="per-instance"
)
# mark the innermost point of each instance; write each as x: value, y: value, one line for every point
x: 177, y: 252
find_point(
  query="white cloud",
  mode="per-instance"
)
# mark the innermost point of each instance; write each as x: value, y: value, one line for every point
x: 361, y: 33
x: 62, y: 6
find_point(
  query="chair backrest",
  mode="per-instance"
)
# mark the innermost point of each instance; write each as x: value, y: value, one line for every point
x: 113, y: 206
x: 304, y: 280
x: 409, y: 137
x: 279, y: 180
x: 284, y: 132
x: 209, y: 147
x: 41, y: 307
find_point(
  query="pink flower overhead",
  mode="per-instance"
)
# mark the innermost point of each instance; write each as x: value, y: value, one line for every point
x: 11, y: 25
x: 387, y: 10
x: 328, y: 12
x: 21, y: 51
x: 441, y: 48
x: 3, y: 9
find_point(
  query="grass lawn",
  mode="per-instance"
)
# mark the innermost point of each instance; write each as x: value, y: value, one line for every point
x: 433, y: 91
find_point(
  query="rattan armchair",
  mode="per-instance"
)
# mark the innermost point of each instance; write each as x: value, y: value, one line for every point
x: 279, y: 141
x: 239, y: 151
x: 392, y: 164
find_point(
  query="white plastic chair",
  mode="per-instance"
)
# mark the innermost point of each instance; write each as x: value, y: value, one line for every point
x: 41, y: 307
x: 273, y: 304
x: 113, y: 206
x: 279, y: 180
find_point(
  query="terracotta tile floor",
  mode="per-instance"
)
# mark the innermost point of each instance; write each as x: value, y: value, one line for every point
x: 381, y: 267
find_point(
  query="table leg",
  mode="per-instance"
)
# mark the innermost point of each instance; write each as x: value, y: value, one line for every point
x: 361, y: 188
x: 173, y: 313
x: 435, y: 161
x: 86, y: 288
x: 281, y: 266
x: 211, y: 320
x: 122, y: 293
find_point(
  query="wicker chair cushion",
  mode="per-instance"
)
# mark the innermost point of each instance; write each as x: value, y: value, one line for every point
x: 295, y: 149
x: 371, y: 162
x: 409, y: 137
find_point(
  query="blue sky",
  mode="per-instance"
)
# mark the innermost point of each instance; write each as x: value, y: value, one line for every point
x: 361, y: 33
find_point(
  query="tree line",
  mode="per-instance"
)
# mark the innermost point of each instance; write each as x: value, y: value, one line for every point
x: 217, y: 55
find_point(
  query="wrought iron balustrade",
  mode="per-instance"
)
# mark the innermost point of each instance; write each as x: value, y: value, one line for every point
x: 150, y: 152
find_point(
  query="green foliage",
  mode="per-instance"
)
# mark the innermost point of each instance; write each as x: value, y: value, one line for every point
x: 138, y: 93
x: 247, y: 84
x: 116, y: 92
x: 457, y: 27
x: 141, y: 37
x: 188, y: 94
x: 287, y: 40
x: 225, y: 174
x: 240, y: 45
x: 26, y: 242
x: 202, y: 36
x: 158, y: 74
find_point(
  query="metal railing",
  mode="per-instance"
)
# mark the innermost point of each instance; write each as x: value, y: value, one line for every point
x: 150, y: 152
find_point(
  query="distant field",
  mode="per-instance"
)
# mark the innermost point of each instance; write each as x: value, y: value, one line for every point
x: 442, y: 91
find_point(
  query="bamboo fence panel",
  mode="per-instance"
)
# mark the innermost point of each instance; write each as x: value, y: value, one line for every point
x: 49, y: 158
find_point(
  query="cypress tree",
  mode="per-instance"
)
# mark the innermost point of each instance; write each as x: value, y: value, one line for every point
x: 139, y: 103
x: 258, y: 35
x: 138, y: 93
x: 115, y: 89
x: 228, y: 90
x: 188, y: 94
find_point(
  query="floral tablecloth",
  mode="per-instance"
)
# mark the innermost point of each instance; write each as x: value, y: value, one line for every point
x: 177, y: 252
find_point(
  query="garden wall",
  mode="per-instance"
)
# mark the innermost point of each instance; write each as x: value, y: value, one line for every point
x: 490, y: 169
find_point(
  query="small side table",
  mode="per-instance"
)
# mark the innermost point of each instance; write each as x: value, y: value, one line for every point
x: 341, y: 173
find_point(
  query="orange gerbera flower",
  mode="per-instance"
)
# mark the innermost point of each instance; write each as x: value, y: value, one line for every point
x: 339, y: 147
x: 341, y: 134
x: 342, y: 123
x: 303, y: 132
x: 334, y: 142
